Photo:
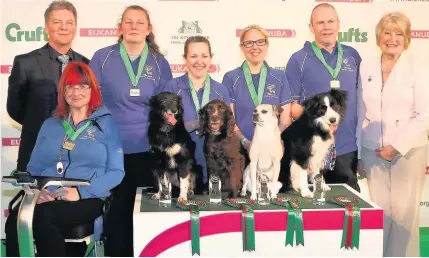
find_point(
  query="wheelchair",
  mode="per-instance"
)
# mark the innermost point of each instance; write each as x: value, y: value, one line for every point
x: 90, y: 233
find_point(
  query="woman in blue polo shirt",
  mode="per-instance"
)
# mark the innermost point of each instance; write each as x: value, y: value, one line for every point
x: 129, y: 73
x: 197, y: 88
x: 254, y: 82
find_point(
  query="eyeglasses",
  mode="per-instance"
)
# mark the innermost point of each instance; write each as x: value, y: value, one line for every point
x: 70, y: 88
x: 250, y: 43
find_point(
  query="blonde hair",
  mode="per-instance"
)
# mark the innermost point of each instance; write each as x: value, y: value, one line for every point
x: 253, y: 27
x: 399, y: 21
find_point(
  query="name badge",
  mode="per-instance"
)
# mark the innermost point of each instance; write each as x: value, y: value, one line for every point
x: 134, y: 92
x: 335, y: 84
x: 68, y: 145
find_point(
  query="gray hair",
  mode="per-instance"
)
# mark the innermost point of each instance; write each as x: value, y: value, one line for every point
x: 60, y: 5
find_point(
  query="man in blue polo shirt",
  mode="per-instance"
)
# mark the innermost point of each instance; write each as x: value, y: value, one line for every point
x: 320, y: 66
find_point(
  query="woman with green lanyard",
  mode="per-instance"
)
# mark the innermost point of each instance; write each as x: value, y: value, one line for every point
x: 129, y: 73
x: 197, y: 89
x: 254, y: 82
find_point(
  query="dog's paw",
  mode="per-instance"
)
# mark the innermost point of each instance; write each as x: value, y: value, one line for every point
x: 243, y: 194
x: 306, y: 193
x: 253, y: 197
x: 326, y: 187
x: 156, y: 196
x: 182, y: 198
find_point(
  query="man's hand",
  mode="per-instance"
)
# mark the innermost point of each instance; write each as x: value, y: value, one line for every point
x: 387, y: 153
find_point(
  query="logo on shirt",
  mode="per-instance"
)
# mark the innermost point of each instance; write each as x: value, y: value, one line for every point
x: 347, y: 66
x: 271, y: 91
x: 14, y: 33
x: 90, y: 134
x: 420, y: 34
x: 187, y: 29
x: 353, y: 35
x: 147, y: 72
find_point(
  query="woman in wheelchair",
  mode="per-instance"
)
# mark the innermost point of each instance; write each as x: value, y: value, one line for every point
x: 81, y: 141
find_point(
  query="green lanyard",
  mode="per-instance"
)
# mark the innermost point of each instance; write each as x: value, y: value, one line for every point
x: 319, y: 55
x: 134, y: 78
x: 72, y: 135
x: 206, y: 94
x: 257, y: 99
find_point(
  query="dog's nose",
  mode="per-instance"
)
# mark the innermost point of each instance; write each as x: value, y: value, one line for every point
x: 215, y: 118
x: 174, y: 111
x: 255, y: 116
x: 332, y: 120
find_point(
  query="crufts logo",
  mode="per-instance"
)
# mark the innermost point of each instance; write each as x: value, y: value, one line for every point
x: 353, y: 35
x: 15, y: 34
x: 187, y: 29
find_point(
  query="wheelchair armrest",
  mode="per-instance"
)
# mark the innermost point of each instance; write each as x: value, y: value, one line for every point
x: 14, y: 199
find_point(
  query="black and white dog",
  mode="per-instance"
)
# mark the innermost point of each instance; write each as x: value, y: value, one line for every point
x: 307, y: 140
x: 171, y: 147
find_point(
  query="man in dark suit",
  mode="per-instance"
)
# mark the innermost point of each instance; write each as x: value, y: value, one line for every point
x: 32, y: 93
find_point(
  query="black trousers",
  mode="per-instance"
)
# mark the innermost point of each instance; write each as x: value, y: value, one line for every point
x: 48, y: 220
x: 118, y: 228
x: 345, y: 171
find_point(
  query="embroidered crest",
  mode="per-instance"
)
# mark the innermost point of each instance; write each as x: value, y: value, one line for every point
x: 271, y: 91
x: 90, y: 134
x: 147, y: 72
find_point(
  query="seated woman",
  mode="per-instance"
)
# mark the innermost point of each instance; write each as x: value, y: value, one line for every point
x: 81, y: 141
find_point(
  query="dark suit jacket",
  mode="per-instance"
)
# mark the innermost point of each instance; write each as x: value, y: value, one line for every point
x: 32, y: 95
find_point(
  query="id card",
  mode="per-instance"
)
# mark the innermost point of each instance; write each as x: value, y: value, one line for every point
x: 335, y: 84
x: 134, y: 92
x: 68, y: 145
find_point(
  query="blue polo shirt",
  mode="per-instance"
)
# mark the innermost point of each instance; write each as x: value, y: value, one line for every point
x: 277, y: 92
x: 307, y: 76
x: 130, y: 113
x: 180, y: 86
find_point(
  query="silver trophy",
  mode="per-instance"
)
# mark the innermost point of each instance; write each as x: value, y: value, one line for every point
x: 263, y: 190
x: 215, y: 193
x: 319, y: 194
x: 165, y: 192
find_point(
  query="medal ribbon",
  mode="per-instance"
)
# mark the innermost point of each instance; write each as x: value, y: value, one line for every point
x: 72, y: 135
x: 247, y: 221
x: 351, y: 228
x: 206, y: 94
x: 193, y: 207
x: 257, y: 99
x: 134, y: 77
x: 334, y: 72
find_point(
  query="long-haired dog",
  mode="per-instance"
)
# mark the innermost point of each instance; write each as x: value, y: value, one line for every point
x: 221, y: 146
x: 171, y: 146
x: 266, y: 150
x: 307, y: 141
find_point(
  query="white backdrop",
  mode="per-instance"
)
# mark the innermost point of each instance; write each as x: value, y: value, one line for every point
x: 286, y: 20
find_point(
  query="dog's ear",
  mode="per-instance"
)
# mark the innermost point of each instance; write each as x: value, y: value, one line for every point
x: 152, y: 101
x: 202, y: 114
x: 180, y: 109
x: 277, y: 110
x: 340, y: 97
x: 230, y: 120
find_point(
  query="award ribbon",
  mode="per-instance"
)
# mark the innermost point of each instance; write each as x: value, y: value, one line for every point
x: 334, y: 72
x: 351, y: 228
x: 206, y: 94
x: 294, y: 220
x: 248, y: 221
x: 133, y: 77
x: 257, y: 98
x: 193, y: 206
x: 72, y: 135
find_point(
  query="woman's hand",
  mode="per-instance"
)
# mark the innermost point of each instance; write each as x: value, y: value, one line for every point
x: 387, y: 153
x: 66, y: 194
x: 361, y: 168
x: 45, y: 196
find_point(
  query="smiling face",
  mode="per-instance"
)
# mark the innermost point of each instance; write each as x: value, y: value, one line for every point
x: 392, y: 40
x: 325, y: 25
x: 198, y: 59
x: 61, y: 27
x: 254, y: 45
x: 77, y: 96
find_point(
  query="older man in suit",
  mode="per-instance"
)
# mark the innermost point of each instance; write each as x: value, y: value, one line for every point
x: 32, y: 93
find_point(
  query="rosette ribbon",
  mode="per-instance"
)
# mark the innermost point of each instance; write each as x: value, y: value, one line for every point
x: 351, y: 228
x: 193, y: 206
x: 247, y: 220
x: 294, y: 220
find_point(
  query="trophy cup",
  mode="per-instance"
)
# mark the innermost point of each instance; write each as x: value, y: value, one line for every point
x: 215, y: 193
x: 165, y: 193
x: 318, y: 191
x: 263, y: 191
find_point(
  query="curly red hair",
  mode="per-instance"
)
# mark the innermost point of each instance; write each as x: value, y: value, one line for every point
x: 78, y: 73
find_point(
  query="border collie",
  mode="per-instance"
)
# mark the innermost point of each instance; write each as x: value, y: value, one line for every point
x: 171, y: 147
x: 307, y: 141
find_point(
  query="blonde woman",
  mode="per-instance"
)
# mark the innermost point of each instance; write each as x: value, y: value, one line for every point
x: 394, y: 120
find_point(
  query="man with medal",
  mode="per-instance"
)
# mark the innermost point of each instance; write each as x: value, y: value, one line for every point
x: 320, y: 66
x: 197, y: 88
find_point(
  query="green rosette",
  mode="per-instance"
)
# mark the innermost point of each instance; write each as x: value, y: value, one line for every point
x: 248, y: 221
x: 193, y: 206
x: 351, y: 228
x: 294, y: 220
